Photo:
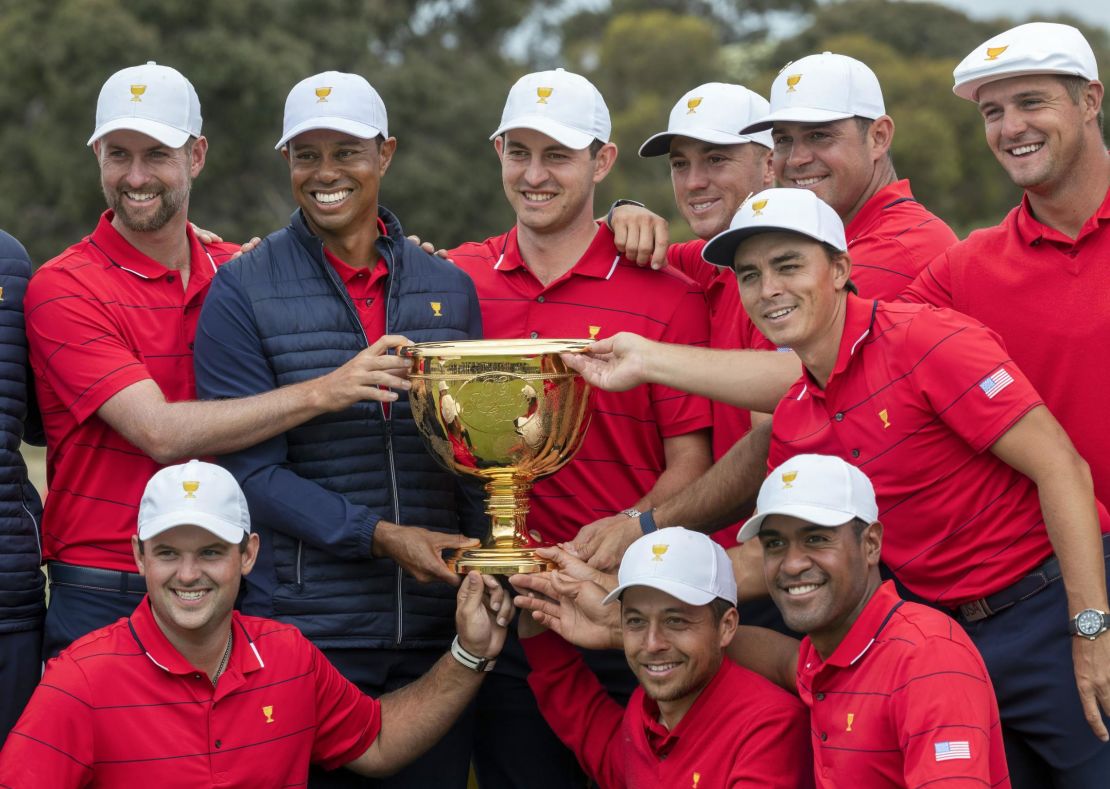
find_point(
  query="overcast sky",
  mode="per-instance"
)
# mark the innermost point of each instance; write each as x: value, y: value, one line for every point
x: 1094, y: 11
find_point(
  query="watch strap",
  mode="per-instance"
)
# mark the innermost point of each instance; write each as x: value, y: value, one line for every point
x: 471, y: 661
x: 647, y: 521
x: 617, y: 204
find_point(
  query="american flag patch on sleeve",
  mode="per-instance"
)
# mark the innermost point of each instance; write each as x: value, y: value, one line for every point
x: 952, y: 749
x: 996, y: 382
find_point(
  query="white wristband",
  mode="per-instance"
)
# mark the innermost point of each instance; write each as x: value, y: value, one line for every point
x: 472, y: 662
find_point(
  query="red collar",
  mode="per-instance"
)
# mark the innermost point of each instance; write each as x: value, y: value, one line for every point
x: 150, y: 639
x: 599, y: 261
x: 1031, y: 230
x: 859, y: 314
x: 871, y: 211
x: 120, y: 253
x: 662, y: 740
x: 347, y: 273
x: 866, y: 629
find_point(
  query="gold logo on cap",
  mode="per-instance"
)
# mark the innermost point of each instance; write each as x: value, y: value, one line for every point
x: 792, y: 82
x: 994, y: 52
x: 788, y: 478
x: 137, y: 91
x: 659, y: 550
x: 885, y: 416
x: 594, y: 331
x: 692, y: 105
x: 436, y: 307
x: 268, y: 711
x: 322, y: 94
x: 758, y: 206
x: 190, y: 486
x: 544, y: 94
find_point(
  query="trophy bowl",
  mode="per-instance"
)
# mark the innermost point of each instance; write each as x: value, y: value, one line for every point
x: 506, y: 412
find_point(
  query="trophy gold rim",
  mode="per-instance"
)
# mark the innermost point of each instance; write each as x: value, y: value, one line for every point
x: 424, y: 350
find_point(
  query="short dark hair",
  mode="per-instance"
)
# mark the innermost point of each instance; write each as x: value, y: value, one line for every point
x: 719, y: 607
x: 595, y: 147
x: 1075, y: 86
x: 864, y: 126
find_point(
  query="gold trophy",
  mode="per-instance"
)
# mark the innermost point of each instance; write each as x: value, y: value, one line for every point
x: 506, y: 412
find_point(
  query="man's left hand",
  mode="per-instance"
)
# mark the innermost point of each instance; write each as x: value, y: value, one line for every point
x: 482, y: 614
x: 1092, y: 676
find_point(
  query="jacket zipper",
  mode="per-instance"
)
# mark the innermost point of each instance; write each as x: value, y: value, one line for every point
x: 396, y: 495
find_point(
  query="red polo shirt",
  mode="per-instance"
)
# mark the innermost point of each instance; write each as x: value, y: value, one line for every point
x: 903, y: 701
x: 740, y: 731
x: 1046, y: 295
x: 622, y: 454
x: 916, y: 399
x: 100, y: 317
x: 121, y: 707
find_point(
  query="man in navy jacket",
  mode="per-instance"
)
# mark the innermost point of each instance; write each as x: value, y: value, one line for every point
x: 354, y: 513
x: 22, y: 604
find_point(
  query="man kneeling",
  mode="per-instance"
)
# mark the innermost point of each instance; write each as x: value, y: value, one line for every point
x: 697, y: 719
x: 188, y: 693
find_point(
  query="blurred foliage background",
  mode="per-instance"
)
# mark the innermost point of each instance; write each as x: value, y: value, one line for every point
x: 443, y: 68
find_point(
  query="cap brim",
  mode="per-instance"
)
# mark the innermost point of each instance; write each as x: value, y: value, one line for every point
x: 683, y: 592
x: 363, y: 131
x: 225, y: 530
x: 795, y: 115
x: 660, y: 144
x: 969, y: 89
x: 167, y: 135
x: 822, y: 516
x: 564, y: 135
x: 721, y: 249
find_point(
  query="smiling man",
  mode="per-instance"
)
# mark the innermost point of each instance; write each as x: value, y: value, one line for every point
x: 697, y: 718
x: 989, y: 510
x: 186, y: 692
x: 898, y: 695
x: 557, y: 273
x: 110, y: 327
x: 353, y: 512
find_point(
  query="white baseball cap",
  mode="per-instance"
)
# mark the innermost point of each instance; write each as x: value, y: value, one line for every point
x: 336, y: 101
x: 819, y: 489
x: 194, y: 494
x: 822, y: 88
x: 715, y: 113
x: 683, y: 563
x: 792, y: 210
x: 563, y: 105
x: 1033, y: 48
x: 155, y: 100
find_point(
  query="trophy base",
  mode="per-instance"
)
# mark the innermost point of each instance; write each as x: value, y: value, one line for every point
x: 498, y: 561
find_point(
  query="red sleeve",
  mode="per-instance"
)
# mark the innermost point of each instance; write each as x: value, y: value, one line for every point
x: 347, y: 720
x: 53, y: 743
x: 776, y: 749
x: 76, y: 347
x: 933, y: 285
x: 686, y: 257
x: 947, y: 714
x: 678, y: 413
x: 967, y: 376
x: 576, y: 707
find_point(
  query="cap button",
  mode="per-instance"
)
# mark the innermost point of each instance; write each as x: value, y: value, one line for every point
x: 151, y: 63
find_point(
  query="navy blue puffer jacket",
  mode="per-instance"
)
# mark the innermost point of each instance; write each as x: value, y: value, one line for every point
x: 21, y: 582
x: 280, y: 315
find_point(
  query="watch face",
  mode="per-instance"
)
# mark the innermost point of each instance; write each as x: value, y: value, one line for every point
x: 1088, y: 622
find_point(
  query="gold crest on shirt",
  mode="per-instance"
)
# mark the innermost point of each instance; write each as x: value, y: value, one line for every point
x: 594, y: 331
x: 268, y: 711
x: 436, y: 307
x: 851, y: 717
x: 884, y: 415
x: 696, y: 777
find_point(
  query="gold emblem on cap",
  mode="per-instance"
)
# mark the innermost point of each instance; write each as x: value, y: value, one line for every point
x: 792, y: 82
x: 268, y: 711
x: 544, y: 94
x: 659, y: 550
x: 436, y: 307
x: 137, y: 91
x: 758, y: 206
x: 322, y: 94
x: 994, y: 52
x: 190, y: 487
x: 788, y: 478
x: 692, y: 105
x: 594, y: 331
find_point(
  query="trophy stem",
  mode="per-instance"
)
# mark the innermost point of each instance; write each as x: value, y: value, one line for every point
x: 508, y: 548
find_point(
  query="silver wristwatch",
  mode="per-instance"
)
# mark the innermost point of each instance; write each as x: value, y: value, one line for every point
x: 1089, y: 623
